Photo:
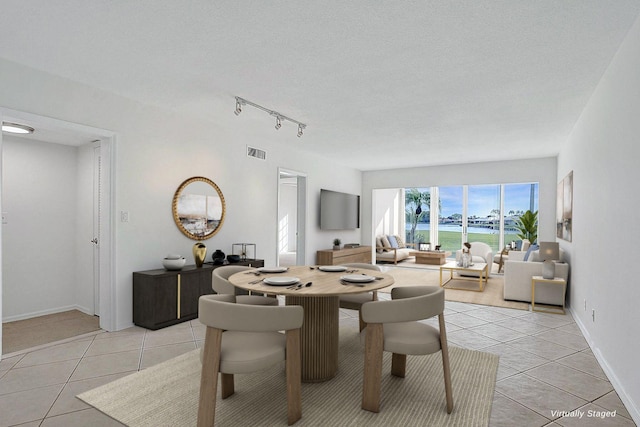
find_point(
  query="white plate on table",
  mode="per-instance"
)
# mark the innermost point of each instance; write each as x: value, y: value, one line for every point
x: 333, y: 268
x: 357, y: 278
x: 273, y: 269
x: 281, y: 281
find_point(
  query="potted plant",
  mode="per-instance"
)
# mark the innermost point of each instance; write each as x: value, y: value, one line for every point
x: 528, y: 226
x: 336, y: 244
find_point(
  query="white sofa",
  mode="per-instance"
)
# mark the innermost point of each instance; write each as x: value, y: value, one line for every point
x: 517, y: 280
x: 480, y: 252
x: 388, y: 251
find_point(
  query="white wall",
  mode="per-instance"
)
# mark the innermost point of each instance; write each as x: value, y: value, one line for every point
x: 40, y: 198
x: 603, y: 152
x: 541, y: 170
x: 156, y: 150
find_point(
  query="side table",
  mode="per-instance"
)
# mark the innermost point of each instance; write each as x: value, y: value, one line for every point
x: 546, y: 308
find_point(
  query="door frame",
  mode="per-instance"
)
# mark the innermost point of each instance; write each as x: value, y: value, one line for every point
x: 301, y: 214
x: 107, y: 263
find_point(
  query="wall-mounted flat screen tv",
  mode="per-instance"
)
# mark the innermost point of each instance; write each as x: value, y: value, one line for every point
x: 339, y: 211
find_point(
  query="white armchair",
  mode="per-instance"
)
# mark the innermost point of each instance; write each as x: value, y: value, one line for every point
x: 480, y: 252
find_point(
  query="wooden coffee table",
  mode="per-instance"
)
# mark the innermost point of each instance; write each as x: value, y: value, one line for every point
x: 479, y: 268
x: 430, y: 257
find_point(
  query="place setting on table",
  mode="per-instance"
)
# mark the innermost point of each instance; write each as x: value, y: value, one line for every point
x: 273, y: 279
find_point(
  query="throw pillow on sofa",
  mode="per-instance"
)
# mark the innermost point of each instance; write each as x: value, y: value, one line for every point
x: 386, y: 244
x: 400, y: 241
x: 393, y: 242
x: 528, y: 254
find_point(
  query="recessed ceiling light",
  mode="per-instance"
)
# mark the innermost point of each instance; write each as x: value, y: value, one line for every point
x: 16, y: 128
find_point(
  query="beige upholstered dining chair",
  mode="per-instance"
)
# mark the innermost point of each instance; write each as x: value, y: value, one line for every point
x: 221, y: 285
x: 242, y: 338
x: 355, y: 301
x: 394, y: 326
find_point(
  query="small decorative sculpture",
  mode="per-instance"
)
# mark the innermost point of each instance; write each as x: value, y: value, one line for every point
x: 466, y: 255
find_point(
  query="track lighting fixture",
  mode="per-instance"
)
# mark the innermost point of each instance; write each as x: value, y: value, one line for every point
x: 16, y: 128
x: 279, y: 117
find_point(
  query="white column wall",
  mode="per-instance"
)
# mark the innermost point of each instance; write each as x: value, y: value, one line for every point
x: 388, y: 209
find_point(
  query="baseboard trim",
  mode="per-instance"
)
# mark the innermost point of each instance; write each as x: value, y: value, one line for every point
x: 633, y: 410
x: 46, y: 312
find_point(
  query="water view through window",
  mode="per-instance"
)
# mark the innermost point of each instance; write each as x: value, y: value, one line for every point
x: 474, y: 213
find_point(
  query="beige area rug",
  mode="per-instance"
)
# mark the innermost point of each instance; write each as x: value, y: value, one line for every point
x: 167, y: 394
x: 28, y: 333
x: 492, y: 294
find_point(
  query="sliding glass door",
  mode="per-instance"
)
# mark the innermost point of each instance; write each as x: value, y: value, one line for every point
x: 483, y: 220
x: 450, y: 231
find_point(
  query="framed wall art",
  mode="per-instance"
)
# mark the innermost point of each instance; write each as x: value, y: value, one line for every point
x: 564, y: 208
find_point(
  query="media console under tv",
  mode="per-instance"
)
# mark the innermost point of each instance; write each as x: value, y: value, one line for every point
x: 344, y: 256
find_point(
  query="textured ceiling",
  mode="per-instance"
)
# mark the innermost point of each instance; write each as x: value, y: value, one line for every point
x: 421, y: 82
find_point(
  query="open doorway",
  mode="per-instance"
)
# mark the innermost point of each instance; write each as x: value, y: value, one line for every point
x: 56, y: 192
x: 292, y: 212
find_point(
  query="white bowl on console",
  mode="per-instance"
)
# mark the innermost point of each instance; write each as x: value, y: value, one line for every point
x: 174, y: 263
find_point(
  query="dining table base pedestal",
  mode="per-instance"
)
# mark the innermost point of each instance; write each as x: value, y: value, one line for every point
x: 319, y: 336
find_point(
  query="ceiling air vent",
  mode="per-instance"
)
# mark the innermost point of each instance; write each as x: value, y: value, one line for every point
x: 257, y: 153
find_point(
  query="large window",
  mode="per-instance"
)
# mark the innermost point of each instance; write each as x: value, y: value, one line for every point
x: 449, y: 216
x: 417, y: 214
x: 518, y: 198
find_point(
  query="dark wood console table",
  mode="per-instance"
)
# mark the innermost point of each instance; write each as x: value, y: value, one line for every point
x: 163, y: 298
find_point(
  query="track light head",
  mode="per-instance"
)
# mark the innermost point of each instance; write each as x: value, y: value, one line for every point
x: 278, y: 123
x: 300, y: 128
x: 238, y: 107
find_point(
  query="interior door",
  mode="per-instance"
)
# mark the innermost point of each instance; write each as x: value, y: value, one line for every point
x: 97, y: 213
x: 292, y: 202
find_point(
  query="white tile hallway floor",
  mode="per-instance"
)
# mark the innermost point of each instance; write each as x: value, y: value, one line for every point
x: 545, y: 367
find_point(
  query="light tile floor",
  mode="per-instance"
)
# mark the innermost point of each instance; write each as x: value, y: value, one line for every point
x: 545, y: 366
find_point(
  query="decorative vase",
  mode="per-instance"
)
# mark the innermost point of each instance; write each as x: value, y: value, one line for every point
x: 199, y: 253
x: 218, y: 254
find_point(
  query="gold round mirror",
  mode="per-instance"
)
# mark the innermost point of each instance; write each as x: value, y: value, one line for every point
x: 198, y: 208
